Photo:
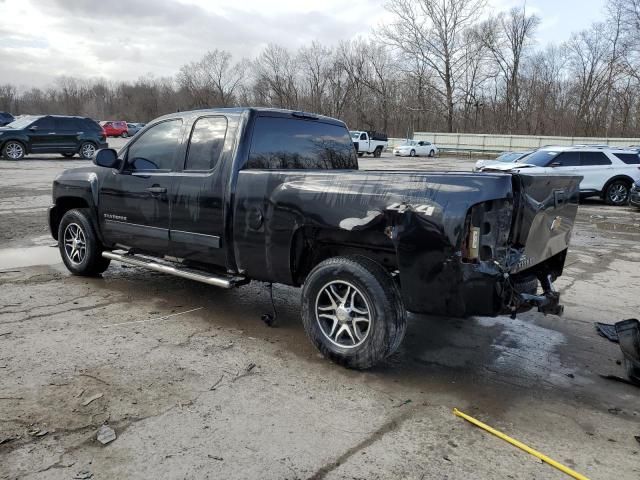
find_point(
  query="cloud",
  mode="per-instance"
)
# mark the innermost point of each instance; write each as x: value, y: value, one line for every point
x: 125, y: 39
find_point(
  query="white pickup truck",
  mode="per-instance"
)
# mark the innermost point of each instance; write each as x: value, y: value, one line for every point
x: 369, y: 142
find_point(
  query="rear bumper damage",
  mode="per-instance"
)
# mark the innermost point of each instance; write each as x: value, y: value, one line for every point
x: 547, y: 303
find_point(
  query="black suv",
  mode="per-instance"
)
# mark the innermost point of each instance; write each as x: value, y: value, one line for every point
x: 51, y: 134
x: 5, y: 118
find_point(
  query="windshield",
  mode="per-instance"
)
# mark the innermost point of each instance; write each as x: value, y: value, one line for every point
x: 22, y: 122
x: 508, y: 157
x: 355, y: 135
x: 541, y: 158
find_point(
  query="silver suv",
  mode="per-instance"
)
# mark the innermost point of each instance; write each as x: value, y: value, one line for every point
x: 608, y: 172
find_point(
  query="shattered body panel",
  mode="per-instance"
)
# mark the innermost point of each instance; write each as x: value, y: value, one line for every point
x: 420, y: 220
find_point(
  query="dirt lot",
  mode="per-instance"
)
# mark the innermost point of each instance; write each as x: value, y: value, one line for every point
x: 168, y: 363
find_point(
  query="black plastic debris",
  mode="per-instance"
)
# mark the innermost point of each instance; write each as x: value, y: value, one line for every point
x: 607, y: 331
x: 629, y: 338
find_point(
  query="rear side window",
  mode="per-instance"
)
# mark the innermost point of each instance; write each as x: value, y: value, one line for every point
x: 629, y: 158
x: 91, y: 125
x: 590, y: 159
x: 287, y: 143
x: 156, y: 149
x: 567, y: 159
x: 205, y: 146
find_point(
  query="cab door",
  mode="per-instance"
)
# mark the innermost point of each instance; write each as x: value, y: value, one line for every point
x: 134, y: 207
x: 43, y: 135
x: 197, y: 205
x: 67, y: 132
x: 595, y: 168
x: 565, y: 163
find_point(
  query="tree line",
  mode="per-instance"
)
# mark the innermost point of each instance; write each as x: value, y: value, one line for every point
x: 437, y: 65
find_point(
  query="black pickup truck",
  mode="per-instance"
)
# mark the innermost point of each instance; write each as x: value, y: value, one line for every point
x: 226, y: 196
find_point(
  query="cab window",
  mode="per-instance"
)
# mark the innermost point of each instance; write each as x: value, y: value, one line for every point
x: 286, y: 143
x: 566, y: 159
x: 44, y: 123
x: 205, y: 146
x: 590, y: 159
x: 156, y: 149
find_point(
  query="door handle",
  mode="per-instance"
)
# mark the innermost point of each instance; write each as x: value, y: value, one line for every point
x: 156, y: 190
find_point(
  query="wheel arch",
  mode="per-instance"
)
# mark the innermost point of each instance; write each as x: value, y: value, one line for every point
x: 311, y: 246
x: 25, y: 144
x: 624, y: 177
x: 62, y: 206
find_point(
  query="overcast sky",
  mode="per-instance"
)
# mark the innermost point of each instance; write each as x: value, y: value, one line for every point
x: 125, y: 39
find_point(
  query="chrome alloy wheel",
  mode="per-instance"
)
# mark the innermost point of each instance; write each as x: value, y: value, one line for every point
x: 618, y: 193
x: 343, y: 314
x: 88, y: 150
x: 14, y: 151
x: 75, y: 244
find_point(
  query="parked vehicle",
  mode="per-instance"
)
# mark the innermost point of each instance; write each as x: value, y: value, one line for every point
x: 607, y: 172
x: 504, y: 157
x: 51, y: 134
x: 634, y: 195
x: 369, y: 142
x: 276, y: 196
x: 133, y: 128
x: 115, y: 128
x: 415, y: 148
x: 5, y: 118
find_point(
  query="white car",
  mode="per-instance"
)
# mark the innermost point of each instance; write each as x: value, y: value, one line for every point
x: 504, y: 157
x: 415, y: 148
x: 607, y: 172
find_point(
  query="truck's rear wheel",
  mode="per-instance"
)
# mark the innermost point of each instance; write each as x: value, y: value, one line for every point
x: 79, y: 246
x: 377, y: 152
x: 360, y: 154
x: 352, y: 311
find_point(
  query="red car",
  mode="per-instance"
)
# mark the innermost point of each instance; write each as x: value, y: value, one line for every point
x: 115, y: 128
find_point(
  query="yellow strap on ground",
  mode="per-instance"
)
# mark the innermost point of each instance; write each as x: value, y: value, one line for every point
x: 520, y: 445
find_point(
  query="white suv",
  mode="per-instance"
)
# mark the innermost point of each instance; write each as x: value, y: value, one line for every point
x: 607, y: 172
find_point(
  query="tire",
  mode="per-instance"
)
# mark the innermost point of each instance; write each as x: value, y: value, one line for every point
x: 361, y: 154
x: 124, y: 134
x: 377, y: 152
x: 617, y: 193
x: 88, y: 261
x: 68, y: 155
x: 87, y: 150
x: 432, y: 153
x: 412, y: 153
x: 376, y: 292
x: 13, y: 150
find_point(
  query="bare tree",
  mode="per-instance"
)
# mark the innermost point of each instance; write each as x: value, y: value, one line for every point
x: 434, y: 31
x: 507, y: 37
x: 212, y: 80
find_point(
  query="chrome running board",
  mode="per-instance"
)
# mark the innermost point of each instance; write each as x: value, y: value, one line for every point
x: 157, y: 265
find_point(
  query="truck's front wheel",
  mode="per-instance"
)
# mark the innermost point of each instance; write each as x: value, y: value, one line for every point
x: 79, y: 246
x: 352, y: 311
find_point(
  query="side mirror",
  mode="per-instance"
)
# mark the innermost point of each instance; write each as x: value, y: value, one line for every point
x: 107, y: 157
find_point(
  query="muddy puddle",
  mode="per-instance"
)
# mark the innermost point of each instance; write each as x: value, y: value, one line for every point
x: 11, y: 258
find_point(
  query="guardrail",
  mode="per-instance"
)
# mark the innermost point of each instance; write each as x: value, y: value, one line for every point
x: 472, y: 142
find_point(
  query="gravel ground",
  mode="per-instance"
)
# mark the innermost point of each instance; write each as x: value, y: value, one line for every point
x: 196, y: 386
